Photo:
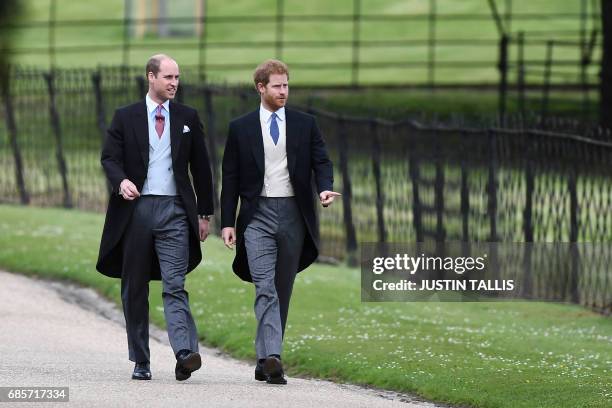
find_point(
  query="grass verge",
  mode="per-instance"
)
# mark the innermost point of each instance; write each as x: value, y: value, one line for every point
x: 519, y: 354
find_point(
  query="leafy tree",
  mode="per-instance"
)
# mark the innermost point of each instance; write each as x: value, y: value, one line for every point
x: 10, y: 11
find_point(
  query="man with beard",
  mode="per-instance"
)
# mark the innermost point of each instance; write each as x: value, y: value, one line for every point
x: 154, y: 224
x: 270, y: 156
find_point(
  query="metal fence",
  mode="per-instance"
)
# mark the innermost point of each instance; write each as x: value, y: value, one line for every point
x: 401, y: 181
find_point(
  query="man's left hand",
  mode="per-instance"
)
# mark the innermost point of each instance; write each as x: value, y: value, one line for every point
x: 203, y: 229
x: 327, y: 197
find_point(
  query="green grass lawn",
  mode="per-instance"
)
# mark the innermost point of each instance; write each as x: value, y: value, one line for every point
x: 519, y: 354
x: 254, y: 28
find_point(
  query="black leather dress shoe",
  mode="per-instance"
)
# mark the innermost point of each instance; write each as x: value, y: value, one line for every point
x: 142, y: 371
x: 259, y: 374
x: 186, y: 363
x: 273, y: 370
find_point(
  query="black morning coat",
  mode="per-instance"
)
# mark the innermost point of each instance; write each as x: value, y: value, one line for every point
x: 126, y: 155
x: 243, y: 177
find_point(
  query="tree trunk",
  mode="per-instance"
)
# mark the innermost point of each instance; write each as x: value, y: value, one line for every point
x: 605, y: 113
x: 10, y: 12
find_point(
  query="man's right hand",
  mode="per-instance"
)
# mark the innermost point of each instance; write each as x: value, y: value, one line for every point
x: 229, y: 236
x: 128, y: 190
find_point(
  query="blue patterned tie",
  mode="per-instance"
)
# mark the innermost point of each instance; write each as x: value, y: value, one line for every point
x: 274, y: 129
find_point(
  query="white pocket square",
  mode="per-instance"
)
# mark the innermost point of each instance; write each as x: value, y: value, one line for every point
x: 186, y: 129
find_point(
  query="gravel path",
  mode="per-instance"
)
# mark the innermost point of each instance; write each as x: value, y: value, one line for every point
x: 54, y: 334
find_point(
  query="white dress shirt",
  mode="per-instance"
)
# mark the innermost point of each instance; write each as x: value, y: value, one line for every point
x: 160, y: 175
x: 276, y: 176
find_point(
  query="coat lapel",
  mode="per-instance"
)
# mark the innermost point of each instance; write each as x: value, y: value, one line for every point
x: 256, y: 140
x: 292, y: 128
x: 176, y: 130
x: 141, y: 128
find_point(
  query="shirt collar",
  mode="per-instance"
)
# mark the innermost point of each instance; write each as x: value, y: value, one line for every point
x: 152, y: 105
x: 265, y: 114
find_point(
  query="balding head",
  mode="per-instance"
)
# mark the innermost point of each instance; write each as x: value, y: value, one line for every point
x: 154, y: 63
x: 163, y: 77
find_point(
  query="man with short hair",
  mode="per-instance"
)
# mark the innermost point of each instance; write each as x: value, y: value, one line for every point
x: 270, y: 156
x: 154, y: 224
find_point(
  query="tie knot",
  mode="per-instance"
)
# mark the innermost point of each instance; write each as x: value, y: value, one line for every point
x: 274, y: 116
x: 158, y: 113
